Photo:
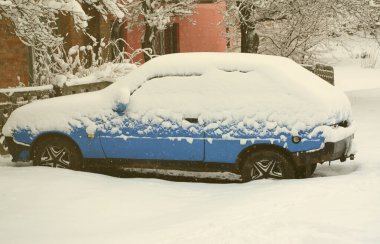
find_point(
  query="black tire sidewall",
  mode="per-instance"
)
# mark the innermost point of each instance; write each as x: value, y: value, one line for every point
x: 313, y: 167
x: 287, y: 167
x: 302, y: 172
x: 76, y: 162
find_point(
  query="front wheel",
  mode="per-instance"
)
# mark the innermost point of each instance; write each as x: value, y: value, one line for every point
x: 58, y: 153
x: 266, y: 164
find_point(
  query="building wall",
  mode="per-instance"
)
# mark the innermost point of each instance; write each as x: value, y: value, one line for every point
x: 207, y: 33
x: 13, y: 59
x: 67, y: 29
x: 133, y: 38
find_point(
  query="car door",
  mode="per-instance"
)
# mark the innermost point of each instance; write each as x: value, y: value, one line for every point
x: 138, y: 140
x: 154, y: 134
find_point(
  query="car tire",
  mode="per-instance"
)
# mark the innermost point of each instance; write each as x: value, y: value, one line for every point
x: 312, y: 170
x: 57, y: 152
x: 266, y: 164
x: 302, y: 172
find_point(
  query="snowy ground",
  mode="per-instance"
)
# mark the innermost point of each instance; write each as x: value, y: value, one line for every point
x: 340, y: 204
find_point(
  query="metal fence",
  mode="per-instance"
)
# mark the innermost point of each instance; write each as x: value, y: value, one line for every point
x: 324, y: 71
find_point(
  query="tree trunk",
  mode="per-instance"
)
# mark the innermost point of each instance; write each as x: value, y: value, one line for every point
x: 149, y: 33
x: 148, y: 40
x: 249, y: 40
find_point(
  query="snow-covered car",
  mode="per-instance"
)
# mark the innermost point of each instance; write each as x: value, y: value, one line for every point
x: 255, y: 115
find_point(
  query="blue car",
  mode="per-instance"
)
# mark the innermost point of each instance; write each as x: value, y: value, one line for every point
x: 255, y: 115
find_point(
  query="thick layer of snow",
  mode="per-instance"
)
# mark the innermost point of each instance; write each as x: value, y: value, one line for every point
x: 339, y: 205
x: 66, y: 113
x: 238, y: 96
x: 105, y: 72
x: 237, y: 91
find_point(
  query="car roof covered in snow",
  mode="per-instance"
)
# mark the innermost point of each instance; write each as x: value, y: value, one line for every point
x: 188, y: 64
x: 233, y: 87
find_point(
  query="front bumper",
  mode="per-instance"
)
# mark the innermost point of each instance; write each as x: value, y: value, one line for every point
x: 19, y: 152
x: 332, y: 151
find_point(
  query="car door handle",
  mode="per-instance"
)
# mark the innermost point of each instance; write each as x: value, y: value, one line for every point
x: 192, y: 120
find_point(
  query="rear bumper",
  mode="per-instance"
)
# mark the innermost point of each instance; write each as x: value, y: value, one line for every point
x: 19, y: 152
x: 332, y: 151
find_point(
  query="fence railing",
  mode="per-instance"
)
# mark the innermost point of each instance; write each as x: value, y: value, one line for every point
x: 324, y: 71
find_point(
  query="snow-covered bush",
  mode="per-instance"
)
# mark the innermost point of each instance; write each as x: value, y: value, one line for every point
x: 105, y: 72
x: 91, y: 63
x: 292, y: 28
x: 80, y: 61
x: 35, y: 23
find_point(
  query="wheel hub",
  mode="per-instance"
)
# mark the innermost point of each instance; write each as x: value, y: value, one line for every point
x: 55, y: 156
x: 266, y: 169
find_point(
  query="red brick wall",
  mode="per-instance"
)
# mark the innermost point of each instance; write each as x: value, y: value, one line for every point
x: 207, y: 33
x: 133, y: 38
x: 67, y: 29
x: 13, y: 59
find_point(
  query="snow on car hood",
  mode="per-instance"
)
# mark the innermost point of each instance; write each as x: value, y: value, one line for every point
x: 231, y: 90
x: 66, y: 113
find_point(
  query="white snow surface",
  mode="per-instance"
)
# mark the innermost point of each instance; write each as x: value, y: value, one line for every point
x: 105, y: 72
x: 340, y: 204
x: 243, y: 90
x: 66, y: 113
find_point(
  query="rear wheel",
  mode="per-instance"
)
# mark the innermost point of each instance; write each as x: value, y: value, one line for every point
x: 266, y: 164
x: 57, y: 152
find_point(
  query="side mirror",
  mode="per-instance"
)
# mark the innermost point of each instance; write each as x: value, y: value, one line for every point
x: 121, y: 102
x: 120, y: 108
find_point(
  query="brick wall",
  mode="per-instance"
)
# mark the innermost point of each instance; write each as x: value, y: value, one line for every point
x: 207, y: 30
x: 208, y: 34
x: 67, y: 29
x: 13, y: 58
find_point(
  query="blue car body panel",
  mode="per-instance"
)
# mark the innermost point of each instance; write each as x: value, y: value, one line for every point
x: 136, y: 140
x: 154, y: 148
x: 90, y: 148
x: 226, y: 150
